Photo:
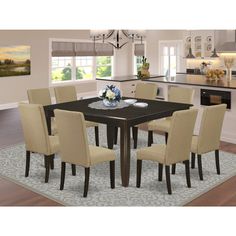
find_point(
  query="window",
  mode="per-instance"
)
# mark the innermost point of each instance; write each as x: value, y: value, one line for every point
x: 66, y: 66
x: 138, y: 52
x: 170, y: 59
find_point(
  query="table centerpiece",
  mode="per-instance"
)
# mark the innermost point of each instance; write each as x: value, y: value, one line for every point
x: 111, y: 96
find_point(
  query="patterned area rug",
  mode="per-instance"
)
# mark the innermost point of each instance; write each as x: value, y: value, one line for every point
x: 151, y: 193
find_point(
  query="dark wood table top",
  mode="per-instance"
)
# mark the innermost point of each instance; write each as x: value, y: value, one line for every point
x: 131, y: 114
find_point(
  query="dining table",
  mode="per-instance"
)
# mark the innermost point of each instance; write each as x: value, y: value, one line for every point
x: 124, y: 118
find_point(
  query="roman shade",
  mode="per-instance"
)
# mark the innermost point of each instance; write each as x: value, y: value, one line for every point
x: 139, y: 49
x: 88, y: 49
x: 63, y: 49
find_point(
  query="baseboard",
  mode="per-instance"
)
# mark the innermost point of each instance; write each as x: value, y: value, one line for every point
x: 8, y: 105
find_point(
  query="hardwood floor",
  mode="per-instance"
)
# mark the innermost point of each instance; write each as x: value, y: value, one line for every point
x: 12, y: 194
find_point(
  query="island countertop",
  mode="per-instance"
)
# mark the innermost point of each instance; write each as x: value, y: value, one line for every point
x: 195, y: 80
x: 126, y: 78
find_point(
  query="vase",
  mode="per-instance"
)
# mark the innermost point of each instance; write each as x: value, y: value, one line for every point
x: 108, y: 103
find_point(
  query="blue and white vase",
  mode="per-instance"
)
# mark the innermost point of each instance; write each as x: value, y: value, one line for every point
x: 108, y: 103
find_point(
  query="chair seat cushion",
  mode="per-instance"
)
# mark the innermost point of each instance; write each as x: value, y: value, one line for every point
x: 161, y: 125
x: 100, y: 154
x: 154, y: 153
x: 90, y: 124
x: 54, y: 144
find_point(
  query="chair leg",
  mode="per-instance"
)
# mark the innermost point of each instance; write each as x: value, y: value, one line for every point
x: 166, y: 137
x: 199, y: 161
x: 135, y: 136
x: 139, y: 172
x: 96, y: 135
x: 160, y: 171
x: 27, y: 166
x: 52, y: 162
x: 173, y: 168
x: 217, y: 162
x: 192, y: 160
x: 168, y: 183
x: 63, y: 172
x: 86, y: 181
x: 73, y: 169
x: 187, y: 172
x: 115, y: 135
x: 150, y: 138
x: 47, y: 172
x: 112, y: 174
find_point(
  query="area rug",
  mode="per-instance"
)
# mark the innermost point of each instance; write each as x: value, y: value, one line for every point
x: 151, y: 193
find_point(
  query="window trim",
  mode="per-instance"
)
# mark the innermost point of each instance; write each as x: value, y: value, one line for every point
x: 133, y: 56
x: 93, y: 80
x: 178, y: 42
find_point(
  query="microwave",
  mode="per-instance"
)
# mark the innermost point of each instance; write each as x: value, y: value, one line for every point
x: 215, y: 97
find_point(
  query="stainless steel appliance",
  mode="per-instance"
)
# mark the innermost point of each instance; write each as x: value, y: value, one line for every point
x: 214, y: 97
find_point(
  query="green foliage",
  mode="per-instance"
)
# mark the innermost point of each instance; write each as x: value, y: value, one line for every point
x: 103, y: 67
x: 66, y: 73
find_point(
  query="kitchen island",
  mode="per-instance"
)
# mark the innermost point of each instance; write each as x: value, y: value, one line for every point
x: 207, y: 92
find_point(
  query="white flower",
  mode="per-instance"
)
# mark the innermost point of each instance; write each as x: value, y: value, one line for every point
x: 110, y: 95
x: 101, y: 92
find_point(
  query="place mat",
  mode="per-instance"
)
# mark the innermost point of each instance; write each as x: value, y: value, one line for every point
x: 99, y: 105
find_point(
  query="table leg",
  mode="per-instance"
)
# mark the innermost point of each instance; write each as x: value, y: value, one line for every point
x: 110, y: 136
x: 125, y: 154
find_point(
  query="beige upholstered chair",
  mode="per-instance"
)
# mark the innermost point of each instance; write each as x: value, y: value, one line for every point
x: 74, y: 148
x: 176, y: 94
x: 42, y: 96
x: 69, y: 94
x: 36, y: 135
x: 209, y: 136
x: 175, y: 151
x: 143, y: 91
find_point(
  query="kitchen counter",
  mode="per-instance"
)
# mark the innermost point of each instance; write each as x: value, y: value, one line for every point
x: 195, y: 80
x: 125, y: 78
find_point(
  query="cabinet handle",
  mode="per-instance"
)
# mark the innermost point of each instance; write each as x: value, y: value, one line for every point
x: 133, y: 84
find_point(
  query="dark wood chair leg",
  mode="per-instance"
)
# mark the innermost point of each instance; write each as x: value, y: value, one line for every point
x: 173, y: 168
x: 112, y: 174
x: 115, y: 135
x: 63, y: 172
x: 192, y: 160
x: 135, y: 136
x: 150, y: 138
x: 86, y: 181
x: 139, y: 173
x: 199, y: 161
x: 73, y: 168
x: 47, y: 171
x: 96, y: 135
x: 168, y: 183
x: 187, y: 172
x: 166, y: 137
x: 52, y: 162
x: 217, y: 162
x: 160, y: 171
x: 27, y: 166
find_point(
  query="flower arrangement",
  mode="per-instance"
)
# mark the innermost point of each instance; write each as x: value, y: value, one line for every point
x: 111, y: 95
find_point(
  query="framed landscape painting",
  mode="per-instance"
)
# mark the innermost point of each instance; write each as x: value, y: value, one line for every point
x: 14, y: 60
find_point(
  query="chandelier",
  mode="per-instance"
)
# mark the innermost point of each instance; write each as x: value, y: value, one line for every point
x: 117, y: 38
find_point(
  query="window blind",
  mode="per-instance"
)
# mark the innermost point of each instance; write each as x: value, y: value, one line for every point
x: 63, y: 49
x: 139, y: 49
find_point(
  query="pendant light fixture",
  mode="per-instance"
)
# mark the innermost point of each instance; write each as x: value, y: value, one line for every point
x: 214, y: 54
x: 190, y: 54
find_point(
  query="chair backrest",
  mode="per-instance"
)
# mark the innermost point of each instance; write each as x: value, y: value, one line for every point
x: 146, y: 91
x: 210, y: 129
x: 181, y: 95
x: 34, y: 128
x: 39, y: 96
x: 73, y: 137
x: 180, y: 136
x: 65, y: 94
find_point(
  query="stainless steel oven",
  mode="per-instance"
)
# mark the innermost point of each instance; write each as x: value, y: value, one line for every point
x: 214, y: 97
